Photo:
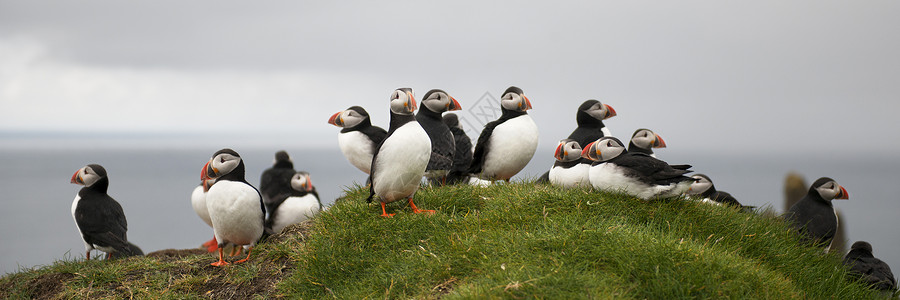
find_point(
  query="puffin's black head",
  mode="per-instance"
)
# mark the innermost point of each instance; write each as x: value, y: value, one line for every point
x: 514, y: 99
x: 701, y: 184
x: 567, y: 150
x: 403, y: 102
x: 592, y: 111
x: 451, y: 120
x: 603, y: 149
x: 224, y: 162
x: 283, y: 160
x: 89, y: 175
x: 862, y: 245
x: 351, y: 117
x: 439, y: 101
x: 828, y: 189
x: 645, y: 139
x: 301, y: 182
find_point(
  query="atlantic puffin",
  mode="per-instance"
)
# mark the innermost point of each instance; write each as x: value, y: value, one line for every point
x: 300, y: 205
x: 871, y: 270
x: 636, y: 174
x: 276, y: 180
x: 399, y: 163
x: 814, y: 216
x: 98, y: 217
x: 507, y: 144
x: 570, y: 170
x: 644, y: 140
x: 359, y: 139
x: 235, y: 207
x: 198, y: 203
x: 704, y: 188
x: 590, y: 116
x: 462, y: 156
x: 443, y: 146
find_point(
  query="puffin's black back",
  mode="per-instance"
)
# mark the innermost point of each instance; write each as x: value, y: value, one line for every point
x: 374, y: 133
x: 462, y: 158
x: 871, y: 270
x: 650, y: 170
x: 276, y: 180
x: 443, y: 146
x: 101, y: 219
x: 814, y: 218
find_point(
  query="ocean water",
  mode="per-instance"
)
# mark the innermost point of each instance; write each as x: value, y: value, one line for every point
x: 154, y: 187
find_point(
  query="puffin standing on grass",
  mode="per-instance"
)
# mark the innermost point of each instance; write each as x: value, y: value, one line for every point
x: 814, y: 216
x: 636, y: 174
x: 399, y: 163
x: 443, y: 146
x: 235, y: 207
x: 644, y: 140
x: 507, y: 144
x: 871, y: 270
x: 570, y: 170
x: 359, y: 139
x: 198, y: 203
x: 276, y: 181
x: 98, y: 217
x: 300, y: 205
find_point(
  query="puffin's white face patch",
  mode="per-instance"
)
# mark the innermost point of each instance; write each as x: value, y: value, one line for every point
x: 571, y: 151
x: 608, y: 149
x: 88, y: 176
x: 700, y: 186
x: 643, y: 138
x: 301, y: 182
x: 437, y: 102
x: 224, y: 163
x: 351, y: 118
x: 513, y: 102
x: 402, y: 103
x: 829, y: 190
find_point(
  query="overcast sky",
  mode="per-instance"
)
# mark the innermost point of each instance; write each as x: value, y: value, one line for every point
x: 757, y: 76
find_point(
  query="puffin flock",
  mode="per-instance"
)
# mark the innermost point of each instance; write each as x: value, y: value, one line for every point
x: 430, y: 147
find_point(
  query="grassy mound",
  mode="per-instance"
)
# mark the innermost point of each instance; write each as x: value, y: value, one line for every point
x: 508, y: 241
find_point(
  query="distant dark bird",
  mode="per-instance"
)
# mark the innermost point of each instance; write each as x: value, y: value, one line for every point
x: 443, y: 146
x: 813, y: 216
x: 300, y: 205
x: 570, y: 170
x: 198, y: 203
x: 462, y: 157
x: 235, y: 207
x: 703, y: 187
x: 275, y: 182
x: 869, y: 269
x: 400, y: 161
x: 507, y: 144
x: 636, y: 174
x: 359, y: 139
x: 644, y: 140
x: 590, y: 118
x: 99, y: 217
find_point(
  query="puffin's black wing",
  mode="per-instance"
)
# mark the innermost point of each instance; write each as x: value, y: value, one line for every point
x: 462, y: 157
x: 376, y: 134
x: 815, y: 221
x: 725, y: 198
x: 275, y: 182
x: 651, y: 170
x: 871, y: 270
x: 481, y: 147
x: 102, y: 222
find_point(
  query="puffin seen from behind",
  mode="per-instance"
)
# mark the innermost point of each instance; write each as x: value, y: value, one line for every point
x: 300, y: 205
x: 570, y: 169
x: 98, y: 217
x: 276, y: 180
x: 590, y: 118
x: 235, y: 207
x: 871, y: 270
x: 400, y: 161
x: 507, y: 144
x: 706, y: 190
x: 198, y: 203
x: 814, y: 216
x: 462, y: 156
x: 443, y: 146
x: 636, y: 174
x: 644, y: 140
x: 359, y: 139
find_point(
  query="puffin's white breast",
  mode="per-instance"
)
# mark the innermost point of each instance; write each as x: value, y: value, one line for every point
x: 235, y: 212
x: 512, y: 145
x: 295, y: 210
x: 198, y: 202
x: 401, y: 162
x: 577, y: 175
x: 610, y: 177
x: 358, y: 149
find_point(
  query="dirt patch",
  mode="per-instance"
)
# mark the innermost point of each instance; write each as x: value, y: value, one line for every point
x: 444, y: 288
x: 48, y: 285
x: 175, y: 253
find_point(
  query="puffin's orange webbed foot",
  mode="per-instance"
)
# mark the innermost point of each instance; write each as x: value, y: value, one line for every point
x: 384, y: 212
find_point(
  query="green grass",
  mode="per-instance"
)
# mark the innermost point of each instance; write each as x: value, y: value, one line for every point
x: 507, y: 241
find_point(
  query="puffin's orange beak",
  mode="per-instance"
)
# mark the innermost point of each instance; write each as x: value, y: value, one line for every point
x: 587, y: 150
x: 660, y: 143
x: 527, y: 103
x: 336, y: 120
x: 843, y: 195
x: 611, y: 113
x: 559, y: 154
x: 454, y: 105
x: 77, y: 179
